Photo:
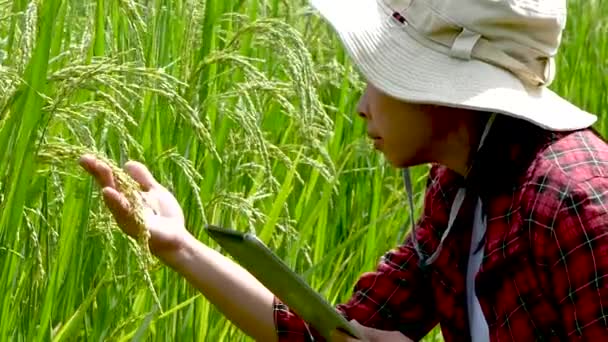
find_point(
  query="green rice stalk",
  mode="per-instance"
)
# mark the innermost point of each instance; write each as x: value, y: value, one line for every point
x: 60, y: 153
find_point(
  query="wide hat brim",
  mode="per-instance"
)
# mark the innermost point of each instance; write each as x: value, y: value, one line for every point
x: 402, y: 67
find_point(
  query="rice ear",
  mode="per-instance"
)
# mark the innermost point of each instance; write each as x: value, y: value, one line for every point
x: 62, y: 155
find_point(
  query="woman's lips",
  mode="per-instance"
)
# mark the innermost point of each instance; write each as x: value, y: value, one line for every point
x: 377, y: 142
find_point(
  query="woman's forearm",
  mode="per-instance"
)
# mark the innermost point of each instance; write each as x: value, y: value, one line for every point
x: 233, y: 290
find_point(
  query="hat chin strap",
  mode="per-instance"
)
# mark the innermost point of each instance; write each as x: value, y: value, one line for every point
x: 458, y: 200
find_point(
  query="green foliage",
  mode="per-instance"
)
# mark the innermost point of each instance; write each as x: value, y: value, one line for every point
x: 244, y: 109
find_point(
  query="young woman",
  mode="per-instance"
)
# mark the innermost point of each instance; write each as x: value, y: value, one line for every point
x: 513, y: 240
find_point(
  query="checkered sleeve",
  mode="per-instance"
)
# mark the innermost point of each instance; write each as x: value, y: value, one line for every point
x: 574, y: 246
x: 395, y: 297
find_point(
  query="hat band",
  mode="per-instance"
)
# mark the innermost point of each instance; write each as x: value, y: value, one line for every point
x: 432, y: 30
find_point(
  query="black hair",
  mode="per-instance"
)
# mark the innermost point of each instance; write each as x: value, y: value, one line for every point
x: 509, y: 149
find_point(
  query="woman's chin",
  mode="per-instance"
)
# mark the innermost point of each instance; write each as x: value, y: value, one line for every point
x: 401, y: 162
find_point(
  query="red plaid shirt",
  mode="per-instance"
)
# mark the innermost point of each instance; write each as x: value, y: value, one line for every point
x: 544, y: 275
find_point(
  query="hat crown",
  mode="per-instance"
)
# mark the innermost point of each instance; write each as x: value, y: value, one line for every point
x: 495, y: 56
x: 521, y: 36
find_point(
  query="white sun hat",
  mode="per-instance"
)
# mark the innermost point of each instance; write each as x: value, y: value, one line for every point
x: 488, y: 55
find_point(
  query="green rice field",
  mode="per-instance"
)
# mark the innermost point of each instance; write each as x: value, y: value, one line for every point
x: 244, y: 109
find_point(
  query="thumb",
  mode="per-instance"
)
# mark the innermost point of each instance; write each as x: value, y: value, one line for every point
x: 375, y: 335
x: 361, y: 329
x: 140, y: 173
x: 338, y: 336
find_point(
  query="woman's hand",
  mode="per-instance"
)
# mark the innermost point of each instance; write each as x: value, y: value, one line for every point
x: 228, y: 286
x: 163, y: 216
x: 369, y: 335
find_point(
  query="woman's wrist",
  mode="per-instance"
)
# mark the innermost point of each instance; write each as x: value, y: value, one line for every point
x: 174, y: 252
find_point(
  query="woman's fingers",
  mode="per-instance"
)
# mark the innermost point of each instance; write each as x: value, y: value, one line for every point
x: 117, y: 202
x: 118, y: 205
x: 98, y: 169
x: 338, y: 336
x: 140, y: 173
x: 369, y: 335
x: 105, y: 178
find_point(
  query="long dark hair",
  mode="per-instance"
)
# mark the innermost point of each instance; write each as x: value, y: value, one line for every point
x: 509, y: 149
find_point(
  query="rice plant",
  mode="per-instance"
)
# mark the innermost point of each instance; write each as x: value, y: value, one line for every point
x: 243, y: 109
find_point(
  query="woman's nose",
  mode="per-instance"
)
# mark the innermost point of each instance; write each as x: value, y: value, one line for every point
x: 362, y: 114
x: 362, y: 105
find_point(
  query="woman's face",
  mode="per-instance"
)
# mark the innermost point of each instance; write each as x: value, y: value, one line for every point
x: 401, y: 131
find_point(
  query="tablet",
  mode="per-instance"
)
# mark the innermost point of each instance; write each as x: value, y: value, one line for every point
x: 270, y: 270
